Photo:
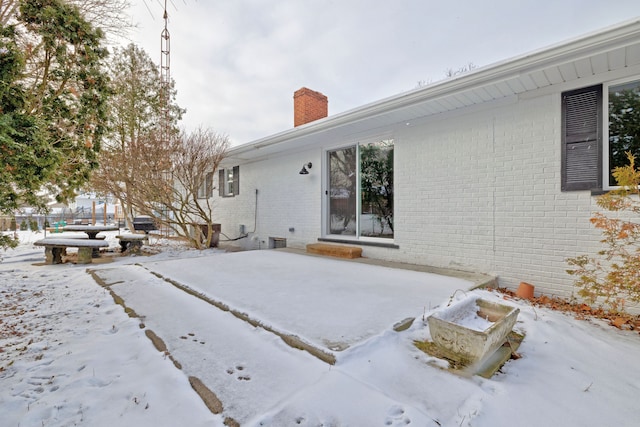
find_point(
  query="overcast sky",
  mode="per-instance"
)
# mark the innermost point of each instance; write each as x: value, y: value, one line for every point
x: 237, y: 63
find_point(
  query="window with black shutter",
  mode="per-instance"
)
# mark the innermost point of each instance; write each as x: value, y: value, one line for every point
x: 229, y: 182
x: 582, y: 139
x: 221, y: 183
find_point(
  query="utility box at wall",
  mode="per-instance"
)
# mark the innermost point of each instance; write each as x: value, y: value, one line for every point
x: 277, y: 242
x: 472, y: 329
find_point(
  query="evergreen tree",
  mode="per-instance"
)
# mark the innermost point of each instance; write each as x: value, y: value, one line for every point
x: 53, y: 94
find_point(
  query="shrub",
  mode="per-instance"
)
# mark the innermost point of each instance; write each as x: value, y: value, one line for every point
x: 613, y: 276
x: 7, y: 242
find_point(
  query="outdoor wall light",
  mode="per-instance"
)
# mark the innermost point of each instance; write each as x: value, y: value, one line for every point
x: 304, y: 170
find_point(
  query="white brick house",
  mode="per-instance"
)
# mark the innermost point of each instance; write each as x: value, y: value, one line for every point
x: 491, y: 172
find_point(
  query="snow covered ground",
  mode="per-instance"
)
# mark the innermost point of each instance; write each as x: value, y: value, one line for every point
x: 69, y: 355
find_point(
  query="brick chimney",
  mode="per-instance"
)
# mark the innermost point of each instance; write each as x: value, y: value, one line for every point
x: 308, y: 105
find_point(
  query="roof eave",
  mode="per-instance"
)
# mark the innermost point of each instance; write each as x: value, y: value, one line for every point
x: 572, y: 50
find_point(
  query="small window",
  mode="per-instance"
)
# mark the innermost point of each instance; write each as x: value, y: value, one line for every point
x: 206, y: 188
x: 229, y: 182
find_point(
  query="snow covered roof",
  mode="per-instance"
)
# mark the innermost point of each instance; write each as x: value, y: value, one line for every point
x: 578, y: 60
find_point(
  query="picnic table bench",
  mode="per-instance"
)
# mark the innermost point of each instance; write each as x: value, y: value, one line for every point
x: 131, y: 242
x: 55, y: 247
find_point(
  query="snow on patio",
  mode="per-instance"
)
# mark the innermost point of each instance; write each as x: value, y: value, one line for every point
x: 332, y: 303
x: 71, y: 356
x: 249, y: 369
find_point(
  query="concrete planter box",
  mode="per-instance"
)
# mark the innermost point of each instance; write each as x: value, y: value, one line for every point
x: 472, y: 329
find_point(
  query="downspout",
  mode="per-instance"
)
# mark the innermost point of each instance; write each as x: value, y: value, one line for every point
x: 493, y: 191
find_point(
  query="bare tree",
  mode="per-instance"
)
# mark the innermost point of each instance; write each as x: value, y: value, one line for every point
x: 177, y: 188
x: 423, y: 83
x: 450, y: 72
x: 108, y: 15
x: 8, y: 11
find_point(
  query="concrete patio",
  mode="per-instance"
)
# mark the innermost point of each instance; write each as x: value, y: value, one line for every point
x: 237, y: 321
x: 323, y: 303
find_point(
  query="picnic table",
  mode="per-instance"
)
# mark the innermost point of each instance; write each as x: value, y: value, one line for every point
x: 91, y: 230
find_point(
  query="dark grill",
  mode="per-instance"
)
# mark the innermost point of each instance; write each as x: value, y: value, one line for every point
x: 144, y: 223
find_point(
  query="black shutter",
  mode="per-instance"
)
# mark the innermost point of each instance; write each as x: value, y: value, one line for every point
x: 221, y: 183
x: 582, y: 139
x: 209, y: 185
x: 236, y: 180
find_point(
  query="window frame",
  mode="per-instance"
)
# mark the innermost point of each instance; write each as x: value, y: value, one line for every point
x: 229, y: 181
x: 606, y: 154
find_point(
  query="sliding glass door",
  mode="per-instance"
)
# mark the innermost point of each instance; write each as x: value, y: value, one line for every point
x: 361, y: 190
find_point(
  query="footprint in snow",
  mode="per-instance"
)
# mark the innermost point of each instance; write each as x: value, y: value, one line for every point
x: 242, y: 376
x: 396, y: 417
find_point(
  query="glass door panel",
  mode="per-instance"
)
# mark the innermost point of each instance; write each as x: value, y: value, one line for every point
x: 376, y: 189
x: 343, y: 191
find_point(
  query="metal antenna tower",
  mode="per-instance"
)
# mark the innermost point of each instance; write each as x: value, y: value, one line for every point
x: 165, y: 76
x: 165, y: 95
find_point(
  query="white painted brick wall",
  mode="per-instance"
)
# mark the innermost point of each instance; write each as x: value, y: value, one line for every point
x: 285, y: 200
x: 477, y: 191
x: 488, y: 196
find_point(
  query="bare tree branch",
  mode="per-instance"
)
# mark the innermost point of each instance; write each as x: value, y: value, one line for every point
x: 176, y: 186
